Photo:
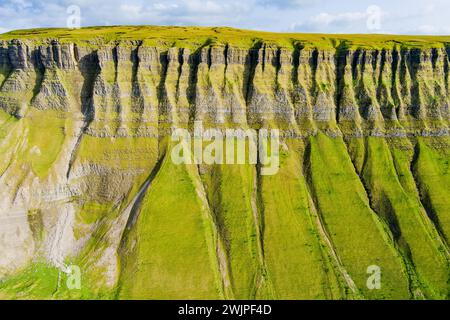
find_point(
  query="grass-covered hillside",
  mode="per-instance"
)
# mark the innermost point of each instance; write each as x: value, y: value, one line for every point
x: 87, y: 179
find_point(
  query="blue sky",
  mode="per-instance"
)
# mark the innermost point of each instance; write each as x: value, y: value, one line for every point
x: 325, y: 16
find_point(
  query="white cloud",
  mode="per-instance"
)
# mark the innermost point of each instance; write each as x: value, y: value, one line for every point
x: 22, y: 3
x: 131, y: 9
x: 288, y: 4
x: 163, y: 6
x: 344, y: 16
x: 327, y: 21
x: 352, y: 21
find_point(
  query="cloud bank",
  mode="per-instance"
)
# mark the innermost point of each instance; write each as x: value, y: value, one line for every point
x: 324, y: 16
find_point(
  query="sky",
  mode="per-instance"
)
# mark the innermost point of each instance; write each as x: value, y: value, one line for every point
x: 319, y: 16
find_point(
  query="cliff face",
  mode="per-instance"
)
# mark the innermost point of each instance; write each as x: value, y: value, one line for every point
x: 393, y: 91
x: 85, y: 178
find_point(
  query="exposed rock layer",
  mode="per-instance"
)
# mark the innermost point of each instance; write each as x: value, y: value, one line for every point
x: 392, y: 92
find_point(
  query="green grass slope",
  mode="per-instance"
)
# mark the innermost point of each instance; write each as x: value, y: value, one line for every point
x: 358, y: 236
x: 298, y: 264
x: 173, y: 247
x: 403, y: 212
x: 431, y: 168
x: 230, y: 194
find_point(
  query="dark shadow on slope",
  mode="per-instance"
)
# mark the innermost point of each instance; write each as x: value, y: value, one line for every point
x: 5, y: 65
x: 89, y: 67
x: 340, y: 61
x: 260, y: 200
x: 161, y: 89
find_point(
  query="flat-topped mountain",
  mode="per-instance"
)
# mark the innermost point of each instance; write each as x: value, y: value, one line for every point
x: 86, y: 177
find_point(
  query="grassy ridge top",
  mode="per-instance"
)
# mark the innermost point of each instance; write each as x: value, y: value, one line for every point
x: 194, y: 37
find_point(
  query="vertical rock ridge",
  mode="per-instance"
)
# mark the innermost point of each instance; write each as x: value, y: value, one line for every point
x: 383, y: 90
x: 395, y: 71
x: 438, y: 110
x: 445, y: 109
x: 304, y: 90
x: 210, y: 86
x: 348, y: 111
x: 148, y: 80
x: 368, y: 104
x: 236, y: 86
x: 284, y: 107
x: 171, y: 91
x: 415, y: 56
x: 324, y: 69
